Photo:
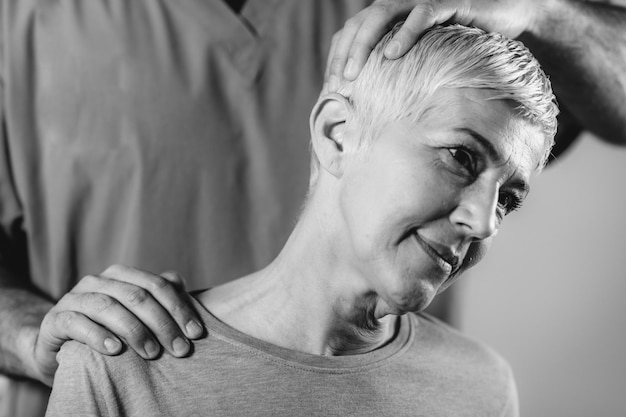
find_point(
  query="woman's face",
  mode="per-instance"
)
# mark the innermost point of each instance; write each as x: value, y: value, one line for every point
x: 425, y: 200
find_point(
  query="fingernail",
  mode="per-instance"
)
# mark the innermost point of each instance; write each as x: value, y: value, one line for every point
x: 193, y: 329
x: 151, y: 348
x: 333, y: 83
x: 112, y: 345
x: 350, y: 71
x: 180, y: 346
x: 393, y: 48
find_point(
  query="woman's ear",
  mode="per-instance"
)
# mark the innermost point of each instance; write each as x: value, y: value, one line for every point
x: 328, y: 131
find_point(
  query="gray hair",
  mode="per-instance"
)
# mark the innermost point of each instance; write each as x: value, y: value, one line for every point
x: 452, y: 56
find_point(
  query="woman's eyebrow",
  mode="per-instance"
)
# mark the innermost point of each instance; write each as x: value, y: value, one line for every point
x: 484, y: 142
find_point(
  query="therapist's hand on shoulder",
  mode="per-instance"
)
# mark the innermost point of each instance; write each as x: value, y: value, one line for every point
x: 352, y: 45
x: 123, y: 305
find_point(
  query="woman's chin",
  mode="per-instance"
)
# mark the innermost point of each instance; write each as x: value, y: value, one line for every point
x: 412, y: 302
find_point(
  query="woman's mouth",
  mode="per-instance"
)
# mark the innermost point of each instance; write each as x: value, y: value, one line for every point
x: 442, y: 256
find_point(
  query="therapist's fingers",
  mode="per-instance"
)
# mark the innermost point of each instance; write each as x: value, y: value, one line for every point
x: 61, y: 325
x: 331, y: 85
x: 362, y: 32
x: 359, y: 36
x: 165, y: 291
x: 423, y: 16
x: 339, y: 50
x: 509, y: 17
x: 184, y: 312
x: 379, y: 18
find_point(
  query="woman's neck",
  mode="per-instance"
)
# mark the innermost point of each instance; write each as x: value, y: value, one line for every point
x: 307, y: 300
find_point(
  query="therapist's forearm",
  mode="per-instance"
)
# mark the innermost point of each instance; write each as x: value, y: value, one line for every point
x: 21, y: 313
x: 582, y: 46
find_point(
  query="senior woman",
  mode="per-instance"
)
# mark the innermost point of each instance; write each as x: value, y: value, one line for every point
x: 414, y: 167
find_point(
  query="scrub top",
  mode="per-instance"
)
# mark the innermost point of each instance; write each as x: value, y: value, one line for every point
x: 163, y: 134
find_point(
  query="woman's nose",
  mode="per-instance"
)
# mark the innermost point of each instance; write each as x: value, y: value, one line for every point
x: 476, y: 213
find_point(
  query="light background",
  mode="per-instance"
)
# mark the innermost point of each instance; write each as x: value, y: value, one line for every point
x: 550, y: 296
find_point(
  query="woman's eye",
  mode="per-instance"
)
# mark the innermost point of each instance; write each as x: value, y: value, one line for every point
x: 464, y: 158
x: 509, y: 202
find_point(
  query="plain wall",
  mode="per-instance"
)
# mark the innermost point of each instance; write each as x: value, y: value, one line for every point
x: 550, y: 296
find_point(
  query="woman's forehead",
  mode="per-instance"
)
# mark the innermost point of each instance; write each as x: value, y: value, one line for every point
x: 494, y: 123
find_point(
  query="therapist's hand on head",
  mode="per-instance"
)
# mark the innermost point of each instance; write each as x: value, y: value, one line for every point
x: 122, y: 305
x: 352, y: 45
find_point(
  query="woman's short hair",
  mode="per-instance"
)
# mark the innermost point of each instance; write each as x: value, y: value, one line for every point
x: 452, y: 56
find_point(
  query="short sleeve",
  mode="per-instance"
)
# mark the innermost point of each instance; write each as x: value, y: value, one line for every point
x: 81, y: 384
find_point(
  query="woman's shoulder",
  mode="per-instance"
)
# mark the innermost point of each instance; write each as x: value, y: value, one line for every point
x: 478, y: 378
x: 450, y: 343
